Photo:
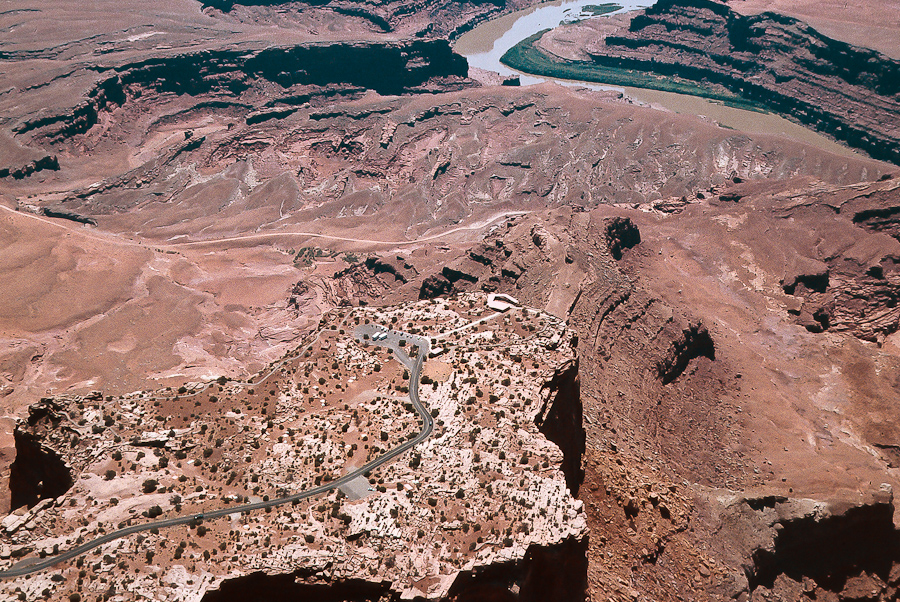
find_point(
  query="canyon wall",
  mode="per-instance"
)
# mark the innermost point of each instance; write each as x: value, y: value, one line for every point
x: 848, y: 92
x: 301, y: 71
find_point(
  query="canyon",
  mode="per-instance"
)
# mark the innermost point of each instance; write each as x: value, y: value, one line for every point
x: 693, y: 396
x: 776, y: 62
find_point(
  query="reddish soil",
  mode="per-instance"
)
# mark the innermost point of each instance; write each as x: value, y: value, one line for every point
x: 734, y: 295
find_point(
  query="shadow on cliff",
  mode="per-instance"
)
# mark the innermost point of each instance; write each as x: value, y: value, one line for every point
x: 560, y: 420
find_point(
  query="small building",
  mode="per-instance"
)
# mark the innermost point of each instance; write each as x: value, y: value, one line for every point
x: 502, y: 302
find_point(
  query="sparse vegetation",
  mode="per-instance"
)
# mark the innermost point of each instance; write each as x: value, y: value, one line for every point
x: 233, y: 455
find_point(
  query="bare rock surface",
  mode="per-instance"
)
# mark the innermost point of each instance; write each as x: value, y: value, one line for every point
x: 677, y: 388
x: 429, y: 525
x: 702, y: 406
x: 779, y: 62
x: 408, y: 19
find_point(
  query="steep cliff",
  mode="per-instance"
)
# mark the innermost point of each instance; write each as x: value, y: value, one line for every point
x: 38, y: 472
x: 804, y: 549
x: 554, y: 572
x: 421, y: 18
x: 848, y: 92
x: 852, y: 284
x: 560, y: 420
x: 234, y: 78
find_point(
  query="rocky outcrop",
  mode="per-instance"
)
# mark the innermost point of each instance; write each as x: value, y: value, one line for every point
x: 695, y: 341
x: 38, y: 471
x: 69, y: 215
x: 879, y: 209
x: 453, y: 275
x: 80, y: 117
x: 397, y: 267
x: 621, y: 234
x: 18, y: 173
x: 793, y: 548
x: 372, y: 278
x: 227, y: 5
x: 449, y: 280
x: 490, y: 265
x: 447, y: 18
x: 435, y: 286
x: 859, y: 299
x: 813, y: 280
x: 855, y: 287
x: 388, y: 67
x: 560, y: 420
x: 848, y: 92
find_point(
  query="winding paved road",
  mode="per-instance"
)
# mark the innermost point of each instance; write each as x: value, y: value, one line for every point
x: 392, y: 341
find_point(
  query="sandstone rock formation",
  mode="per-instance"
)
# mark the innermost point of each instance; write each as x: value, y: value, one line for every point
x: 425, y: 526
x: 192, y: 196
x: 446, y: 19
x: 848, y: 92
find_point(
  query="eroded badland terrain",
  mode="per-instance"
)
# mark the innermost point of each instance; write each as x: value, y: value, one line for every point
x: 293, y: 308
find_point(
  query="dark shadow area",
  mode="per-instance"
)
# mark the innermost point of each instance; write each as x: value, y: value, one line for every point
x: 831, y: 550
x: 560, y: 421
x: 37, y: 472
x: 260, y: 587
x: 694, y: 342
x: 557, y: 573
x: 621, y: 233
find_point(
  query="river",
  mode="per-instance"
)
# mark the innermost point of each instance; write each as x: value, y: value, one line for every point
x: 485, y: 44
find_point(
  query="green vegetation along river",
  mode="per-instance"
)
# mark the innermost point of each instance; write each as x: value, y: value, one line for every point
x: 528, y: 58
x: 485, y: 45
